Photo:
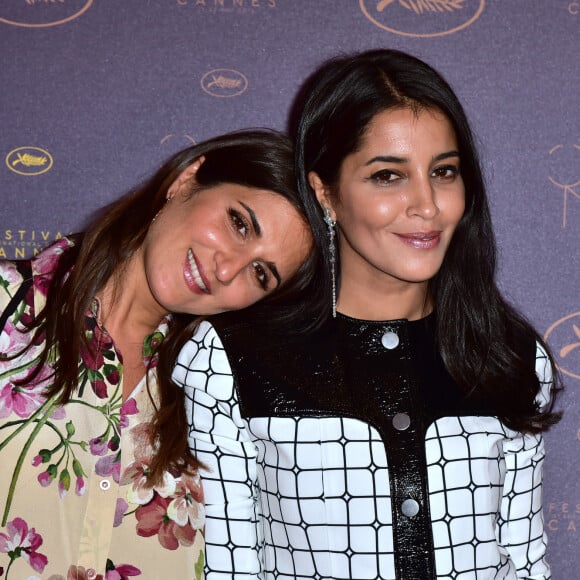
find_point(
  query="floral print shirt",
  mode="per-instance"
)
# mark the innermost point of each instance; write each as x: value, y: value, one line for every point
x: 73, y: 499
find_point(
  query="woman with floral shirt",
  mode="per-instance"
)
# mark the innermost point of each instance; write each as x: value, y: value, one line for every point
x: 97, y: 480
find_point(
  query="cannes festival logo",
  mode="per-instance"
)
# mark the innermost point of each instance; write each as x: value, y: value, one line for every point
x: 224, y: 82
x: 422, y: 18
x: 564, y: 163
x: 181, y: 141
x: 29, y: 160
x: 564, y: 338
x: 41, y: 13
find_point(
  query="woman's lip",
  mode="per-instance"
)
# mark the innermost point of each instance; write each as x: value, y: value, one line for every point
x: 421, y: 240
x: 194, y: 275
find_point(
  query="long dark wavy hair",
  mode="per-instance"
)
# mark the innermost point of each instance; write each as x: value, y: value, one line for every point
x: 260, y: 159
x: 478, y: 332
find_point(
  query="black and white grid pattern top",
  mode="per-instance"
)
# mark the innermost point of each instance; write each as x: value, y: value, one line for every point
x: 321, y: 469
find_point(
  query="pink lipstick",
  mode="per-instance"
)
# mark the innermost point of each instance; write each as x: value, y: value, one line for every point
x: 194, y: 275
x: 421, y: 240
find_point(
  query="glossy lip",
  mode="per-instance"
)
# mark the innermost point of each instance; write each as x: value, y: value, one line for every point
x: 421, y: 240
x: 194, y: 275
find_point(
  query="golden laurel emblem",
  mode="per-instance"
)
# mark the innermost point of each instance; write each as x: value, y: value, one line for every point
x: 224, y: 82
x: 564, y: 338
x: 569, y: 185
x: 29, y: 161
x: 422, y: 18
x: 42, y: 13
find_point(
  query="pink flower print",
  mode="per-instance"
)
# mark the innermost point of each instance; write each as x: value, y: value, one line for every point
x: 80, y: 486
x: 99, y: 446
x: 99, y: 342
x: 63, y: 483
x: 12, y: 341
x: 11, y: 274
x: 42, y: 283
x: 44, y: 479
x: 114, y: 442
x: 94, y: 355
x: 58, y: 413
x: 23, y: 542
x: 120, y: 572
x: 110, y: 465
x: 46, y: 262
x: 113, y: 375
x: 187, y: 505
x: 136, y: 473
x: 80, y: 573
x: 129, y: 408
x: 152, y: 519
x: 141, y: 436
x: 22, y: 400
x: 141, y: 492
x: 120, y: 511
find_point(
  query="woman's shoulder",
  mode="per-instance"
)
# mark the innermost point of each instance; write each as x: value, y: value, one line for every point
x: 545, y: 374
x: 16, y: 277
x: 203, y: 352
x: 10, y: 277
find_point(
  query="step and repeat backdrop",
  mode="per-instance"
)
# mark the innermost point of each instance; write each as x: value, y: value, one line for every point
x: 97, y: 93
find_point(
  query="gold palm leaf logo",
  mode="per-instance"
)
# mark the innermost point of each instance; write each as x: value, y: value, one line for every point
x: 422, y: 18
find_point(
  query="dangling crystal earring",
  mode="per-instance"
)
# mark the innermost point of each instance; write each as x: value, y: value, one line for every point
x: 167, y: 200
x: 332, y: 251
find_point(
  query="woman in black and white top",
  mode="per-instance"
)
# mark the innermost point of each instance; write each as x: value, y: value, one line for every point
x: 403, y: 438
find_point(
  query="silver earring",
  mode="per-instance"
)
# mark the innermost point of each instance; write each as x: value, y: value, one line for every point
x: 331, y: 224
x: 167, y: 200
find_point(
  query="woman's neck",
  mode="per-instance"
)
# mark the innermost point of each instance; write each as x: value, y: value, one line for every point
x: 397, y: 300
x: 127, y: 307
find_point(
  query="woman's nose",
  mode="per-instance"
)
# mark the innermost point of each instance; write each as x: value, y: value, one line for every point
x: 422, y: 201
x: 228, y: 265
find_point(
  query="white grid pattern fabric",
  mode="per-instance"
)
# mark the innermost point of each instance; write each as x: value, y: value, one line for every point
x: 309, y: 497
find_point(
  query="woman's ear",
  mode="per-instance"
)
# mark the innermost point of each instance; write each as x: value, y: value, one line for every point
x: 322, y: 192
x: 187, y: 175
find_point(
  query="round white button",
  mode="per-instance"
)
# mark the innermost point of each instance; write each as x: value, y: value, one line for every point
x: 104, y: 484
x: 410, y: 508
x: 390, y: 340
x: 91, y: 573
x: 401, y: 421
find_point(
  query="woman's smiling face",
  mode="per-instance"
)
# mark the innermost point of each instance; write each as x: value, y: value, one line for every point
x: 398, y: 199
x: 222, y: 248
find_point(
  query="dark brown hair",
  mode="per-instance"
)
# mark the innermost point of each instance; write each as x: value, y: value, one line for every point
x: 260, y: 159
x: 479, y: 334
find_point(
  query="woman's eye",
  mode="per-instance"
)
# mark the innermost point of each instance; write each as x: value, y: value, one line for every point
x: 261, y: 275
x: 239, y: 222
x: 446, y: 172
x: 383, y: 176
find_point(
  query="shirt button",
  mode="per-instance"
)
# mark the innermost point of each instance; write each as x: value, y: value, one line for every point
x: 91, y: 572
x: 401, y: 421
x: 104, y: 484
x: 410, y: 508
x: 390, y: 340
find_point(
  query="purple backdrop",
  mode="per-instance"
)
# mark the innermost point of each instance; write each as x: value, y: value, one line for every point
x: 96, y: 93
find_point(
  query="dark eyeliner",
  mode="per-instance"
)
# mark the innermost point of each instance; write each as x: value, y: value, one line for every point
x: 236, y: 219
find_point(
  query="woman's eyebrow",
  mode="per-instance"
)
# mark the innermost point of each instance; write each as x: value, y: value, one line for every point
x: 386, y: 159
x: 394, y: 159
x: 253, y: 218
x: 275, y: 273
x: 446, y: 155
